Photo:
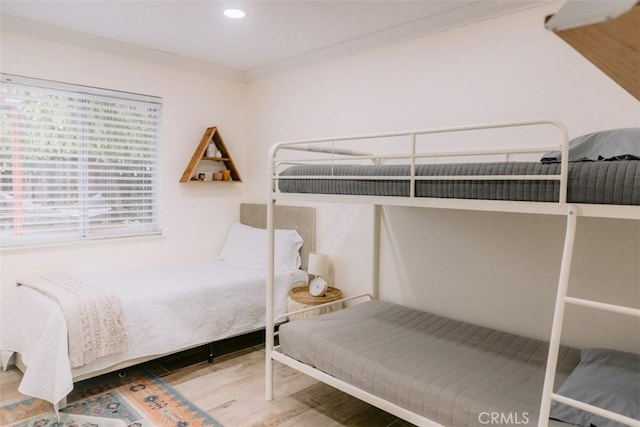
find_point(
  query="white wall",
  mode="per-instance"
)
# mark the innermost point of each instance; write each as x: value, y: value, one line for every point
x: 495, y: 269
x: 196, y: 216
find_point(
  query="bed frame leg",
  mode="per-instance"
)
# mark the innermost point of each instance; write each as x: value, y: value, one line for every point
x: 210, y: 351
x: 377, y: 221
x: 268, y: 388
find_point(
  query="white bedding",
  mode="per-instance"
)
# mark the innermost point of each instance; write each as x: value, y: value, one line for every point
x: 165, y: 309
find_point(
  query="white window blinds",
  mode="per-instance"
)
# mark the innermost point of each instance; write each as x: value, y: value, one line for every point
x: 76, y: 162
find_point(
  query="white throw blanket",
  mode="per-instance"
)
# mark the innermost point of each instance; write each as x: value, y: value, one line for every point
x: 95, y: 319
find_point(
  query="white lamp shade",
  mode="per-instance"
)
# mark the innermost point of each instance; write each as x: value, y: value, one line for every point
x: 318, y: 264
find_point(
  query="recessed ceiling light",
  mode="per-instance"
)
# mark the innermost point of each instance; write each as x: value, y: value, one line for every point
x: 234, y: 13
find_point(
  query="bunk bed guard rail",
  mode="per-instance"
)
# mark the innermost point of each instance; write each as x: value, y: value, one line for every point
x: 332, y: 151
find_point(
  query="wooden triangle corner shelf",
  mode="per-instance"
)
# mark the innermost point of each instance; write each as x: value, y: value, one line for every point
x: 211, y: 136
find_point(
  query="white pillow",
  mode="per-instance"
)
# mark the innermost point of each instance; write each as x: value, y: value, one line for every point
x: 246, y: 246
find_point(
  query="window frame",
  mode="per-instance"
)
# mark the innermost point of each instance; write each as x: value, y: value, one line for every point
x: 107, y: 134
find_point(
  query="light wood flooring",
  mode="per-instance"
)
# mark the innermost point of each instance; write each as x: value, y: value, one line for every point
x: 231, y: 389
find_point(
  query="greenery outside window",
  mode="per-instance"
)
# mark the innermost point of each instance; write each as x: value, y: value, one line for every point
x: 76, y: 162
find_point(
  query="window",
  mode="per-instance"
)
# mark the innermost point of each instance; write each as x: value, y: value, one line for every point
x: 76, y: 162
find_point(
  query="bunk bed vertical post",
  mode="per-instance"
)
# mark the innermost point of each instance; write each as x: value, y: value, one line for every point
x: 564, y: 163
x: 558, y: 315
x: 412, y: 178
x: 269, y: 338
x: 270, y: 321
x: 377, y: 224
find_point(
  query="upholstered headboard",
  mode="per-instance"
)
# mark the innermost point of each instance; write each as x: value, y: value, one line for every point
x: 301, y: 219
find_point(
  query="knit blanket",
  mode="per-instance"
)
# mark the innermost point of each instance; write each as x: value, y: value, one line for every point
x: 95, y: 319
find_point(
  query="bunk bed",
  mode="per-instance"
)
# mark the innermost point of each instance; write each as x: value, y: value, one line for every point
x: 161, y: 309
x: 431, y: 370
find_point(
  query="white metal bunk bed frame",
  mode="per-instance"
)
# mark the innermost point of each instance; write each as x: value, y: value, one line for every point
x: 571, y: 210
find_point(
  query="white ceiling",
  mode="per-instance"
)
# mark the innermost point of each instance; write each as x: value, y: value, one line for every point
x: 274, y: 36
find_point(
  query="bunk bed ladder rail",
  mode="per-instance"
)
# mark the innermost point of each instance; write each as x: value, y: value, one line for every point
x: 562, y: 299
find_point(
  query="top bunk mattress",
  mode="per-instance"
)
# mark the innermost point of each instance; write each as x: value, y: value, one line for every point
x: 449, y: 371
x: 600, y: 182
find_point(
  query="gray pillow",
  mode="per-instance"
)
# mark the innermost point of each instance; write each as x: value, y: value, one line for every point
x: 612, y: 144
x: 606, y: 378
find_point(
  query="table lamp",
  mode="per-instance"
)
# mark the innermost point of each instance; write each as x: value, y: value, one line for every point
x: 318, y: 266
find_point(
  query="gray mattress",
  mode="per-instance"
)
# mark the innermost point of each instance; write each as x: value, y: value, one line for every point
x: 604, y: 182
x: 446, y: 370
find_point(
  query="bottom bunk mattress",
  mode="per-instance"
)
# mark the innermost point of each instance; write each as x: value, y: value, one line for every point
x: 452, y: 372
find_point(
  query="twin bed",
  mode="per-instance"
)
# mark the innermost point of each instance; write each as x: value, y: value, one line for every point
x: 431, y: 370
x: 165, y: 309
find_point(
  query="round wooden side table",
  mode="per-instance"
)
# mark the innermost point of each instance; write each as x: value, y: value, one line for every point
x: 299, y: 298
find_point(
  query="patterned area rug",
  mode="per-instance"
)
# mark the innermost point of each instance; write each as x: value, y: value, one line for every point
x: 139, y: 399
